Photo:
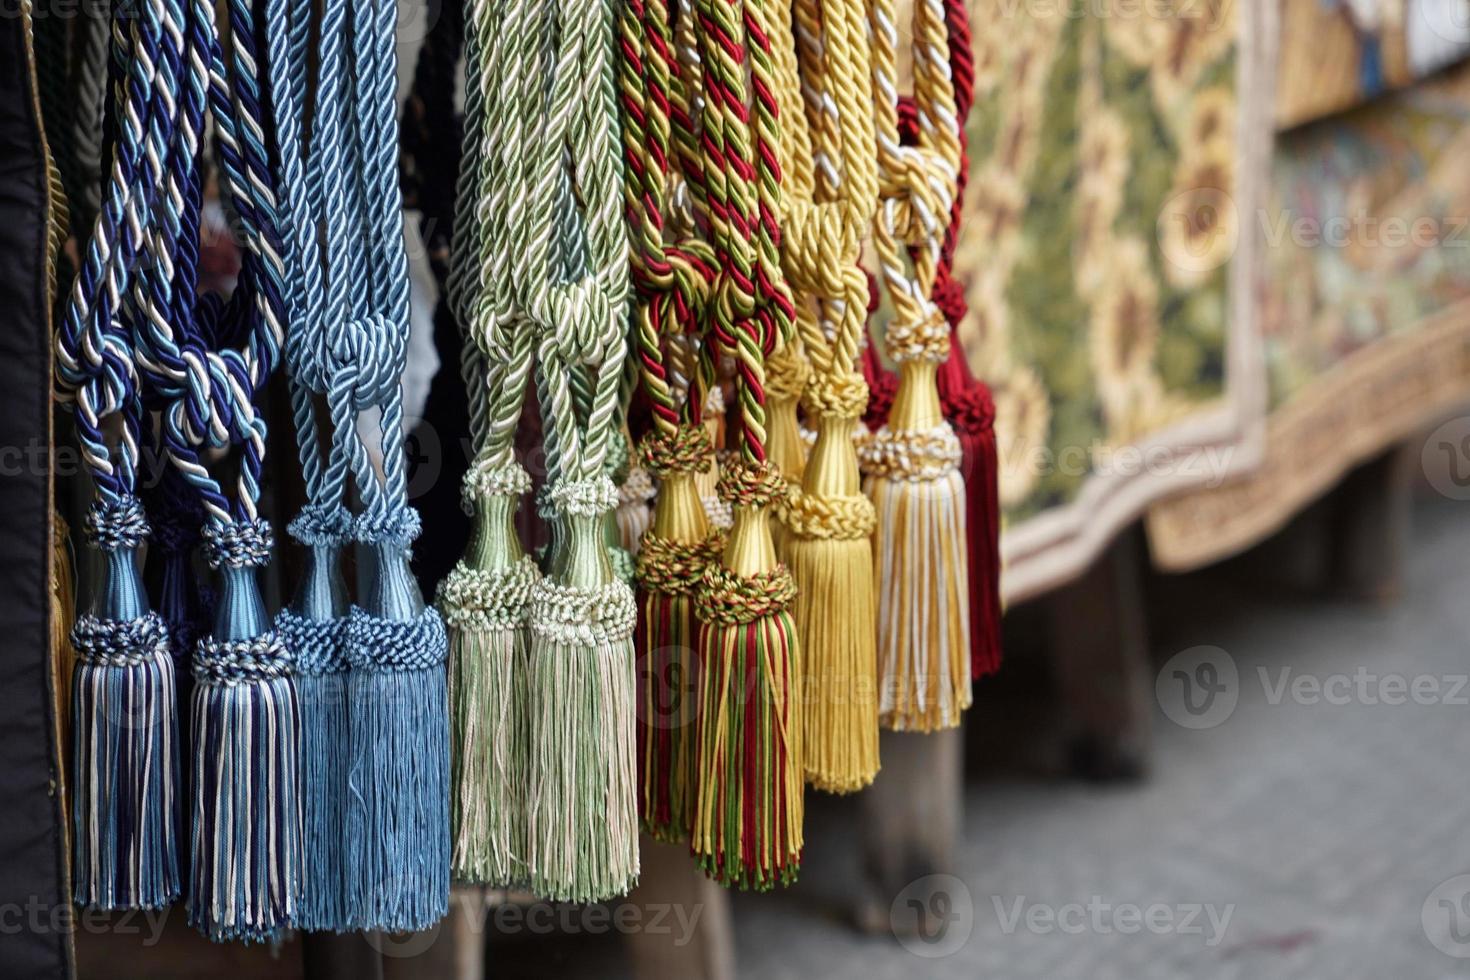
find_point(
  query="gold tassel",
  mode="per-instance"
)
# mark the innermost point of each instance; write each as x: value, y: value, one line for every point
x: 828, y: 546
x: 919, y: 556
x: 63, y: 614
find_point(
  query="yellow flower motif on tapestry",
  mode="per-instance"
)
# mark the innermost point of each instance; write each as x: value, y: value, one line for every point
x: 1021, y: 399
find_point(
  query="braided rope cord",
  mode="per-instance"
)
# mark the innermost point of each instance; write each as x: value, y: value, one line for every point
x: 830, y: 203
x: 581, y: 320
x: 753, y: 312
x: 674, y: 273
x: 918, y: 183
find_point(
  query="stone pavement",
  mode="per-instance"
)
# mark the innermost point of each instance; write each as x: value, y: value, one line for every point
x: 1296, y: 834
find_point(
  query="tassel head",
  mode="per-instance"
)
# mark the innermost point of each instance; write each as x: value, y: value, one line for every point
x: 920, y: 563
x: 247, y: 858
x: 125, y: 730
x: 748, y: 815
x: 672, y: 558
x: 583, y: 808
x: 484, y: 600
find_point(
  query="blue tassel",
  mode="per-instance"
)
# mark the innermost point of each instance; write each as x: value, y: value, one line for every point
x: 245, y: 733
x: 398, y: 774
x: 125, y: 761
x: 315, y: 630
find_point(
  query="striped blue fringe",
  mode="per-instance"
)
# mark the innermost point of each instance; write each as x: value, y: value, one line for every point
x: 124, y: 764
x: 398, y: 776
x: 246, y: 812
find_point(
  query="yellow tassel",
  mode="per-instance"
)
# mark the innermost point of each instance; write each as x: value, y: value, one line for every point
x: 63, y: 614
x: 919, y: 560
x: 828, y: 546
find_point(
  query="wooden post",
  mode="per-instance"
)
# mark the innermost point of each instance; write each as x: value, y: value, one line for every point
x: 1370, y: 526
x: 1099, y: 652
x: 670, y: 877
x: 911, y: 819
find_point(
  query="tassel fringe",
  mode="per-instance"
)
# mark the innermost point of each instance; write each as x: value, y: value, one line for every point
x: 247, y: 858
x: 488, y: 666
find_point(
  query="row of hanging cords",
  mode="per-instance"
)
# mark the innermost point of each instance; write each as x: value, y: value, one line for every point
x: 582, y: 817
x: 673, y: 282
x: 125, y: 733
x: 485, y: 597
x: 828, y: 544
x: 245, y: 857
x: 912, y: 463
x: 314, y: 624
x: 748, y: 816
x: 398, y: 726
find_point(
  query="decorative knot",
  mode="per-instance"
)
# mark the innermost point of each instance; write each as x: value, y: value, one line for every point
x: 484, y: 600
x: 728, y: 599
x: 399, y: 526
x: 688, y: 450
x: 911, y: 456
x: 746, y: 485
x: 487, y: 478
x: 787, y: 375
x: 238, y: 544
x: 232, y: 662
x: 926, y: 338
x: 375, y: 643
x: 575, y: 616
x: 117, y: 524
x: 840, y: 396
x: 832, y: 518
x: 949, y: 297
x: 615, y: 465
x: 583, y: 498
x: 970, y: 410
x: 368, y: 355
x: 318, y: 525
x: 671, y: 567
x: 119, y: 642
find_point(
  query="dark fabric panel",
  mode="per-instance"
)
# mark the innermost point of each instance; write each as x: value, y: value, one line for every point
x: 34, y: 910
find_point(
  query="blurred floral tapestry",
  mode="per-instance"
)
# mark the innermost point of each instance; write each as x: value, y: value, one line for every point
x: 1364, y: 304
x: 1096, y: 252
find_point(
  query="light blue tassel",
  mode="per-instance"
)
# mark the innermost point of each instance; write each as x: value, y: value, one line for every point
x: 125, y: 737
x: 398, y: 776
x: 245, y: 733
x: 314, y: 629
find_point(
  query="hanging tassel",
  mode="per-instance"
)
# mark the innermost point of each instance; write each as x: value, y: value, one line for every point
x: 920, y: 562
x: 970, y: 410
x: 583, y: 819
x: 748, y: 818
x: 314, y: 629
x: 63, y: 611
x: 829, y: 550
x: 247, y: 859
x: 485, y: 602
x: 398, y: 757
x: 635, y: 513
x: 675, y: 552
x: 126, y: 731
